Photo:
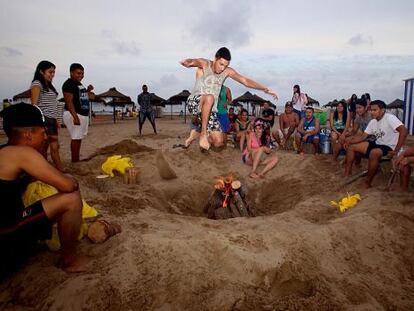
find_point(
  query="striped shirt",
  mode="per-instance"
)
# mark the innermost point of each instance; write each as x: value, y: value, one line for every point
x: 47, y: 101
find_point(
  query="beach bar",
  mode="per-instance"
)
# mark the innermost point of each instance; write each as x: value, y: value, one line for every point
x: 408, y: 115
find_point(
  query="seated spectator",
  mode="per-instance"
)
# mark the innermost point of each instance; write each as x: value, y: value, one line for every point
x: 339, y: 125
x: 288, y: 122
x: 257, y: 152
x: 308, y: 131
x: 242, y: 126
x: 20, y: 226
x: 268, y: 116
x: 232, y: 119
x: 390, y: 136
x: 405, y: 161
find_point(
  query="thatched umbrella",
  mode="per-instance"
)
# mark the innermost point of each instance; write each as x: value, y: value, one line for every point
x: 249, y: 98
x: 396, y: 104
x: 23, y: 96
x: 312, y: 102
x: 178, y: 99
x: 117, y: 99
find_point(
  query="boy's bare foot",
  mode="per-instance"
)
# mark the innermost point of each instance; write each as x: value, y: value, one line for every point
x: 79, y: 263
x: 254, y: 175
x: 204, y: 144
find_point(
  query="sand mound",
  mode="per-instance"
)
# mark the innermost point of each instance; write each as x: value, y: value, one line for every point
x: 126, y: 146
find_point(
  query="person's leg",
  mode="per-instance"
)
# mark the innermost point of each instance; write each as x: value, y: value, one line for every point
x: 54, y: 151
x: 257, y: 154
x: 315, y: 142
x: 277, y: 137
x: 66, y: 210
x: 206, y: 103
x: 151, y: 118
x: 242, y: 136
x: 75, y: 145
x: 298, y: 140
x: 141, y: 119
x: 350, y: 155
x: 336, y: 146
x: 270, y: 162
x: 373, y: 164
x: 405, y: 172
x: 194, y: 134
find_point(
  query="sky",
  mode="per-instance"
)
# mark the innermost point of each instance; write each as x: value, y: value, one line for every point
x: 332, y: 49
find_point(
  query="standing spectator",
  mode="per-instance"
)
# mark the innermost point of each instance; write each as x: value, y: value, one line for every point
x: 390, y: 136
x: 339, y: 125
x: 299, y: 100
x: 44, y: 95
x: 76, y: 116
x: 145, y: 109
x: 224, y: 100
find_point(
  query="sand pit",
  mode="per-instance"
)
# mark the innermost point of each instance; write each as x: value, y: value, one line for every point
x: 299, y: 253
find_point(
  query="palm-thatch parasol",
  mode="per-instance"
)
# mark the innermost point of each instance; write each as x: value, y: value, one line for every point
x: 311, y: 101
x: 249, y: 98
x: 178, y: 99
x: 118, y: 99
x: 396, y: 104
x: 23, y: 95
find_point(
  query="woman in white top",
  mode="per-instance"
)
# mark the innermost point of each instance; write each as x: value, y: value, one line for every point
x: 299, y: 100
x: 44, y: 95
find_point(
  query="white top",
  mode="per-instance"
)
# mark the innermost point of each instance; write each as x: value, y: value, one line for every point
x: 299, y: 101
x: 385, y: 130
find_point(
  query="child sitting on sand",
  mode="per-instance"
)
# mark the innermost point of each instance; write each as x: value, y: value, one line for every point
x: 257, y: 152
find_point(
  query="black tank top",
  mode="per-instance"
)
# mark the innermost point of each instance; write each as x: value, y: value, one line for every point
x: 11, y: 202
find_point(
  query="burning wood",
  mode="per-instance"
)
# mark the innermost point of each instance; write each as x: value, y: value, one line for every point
x: 228, y: 200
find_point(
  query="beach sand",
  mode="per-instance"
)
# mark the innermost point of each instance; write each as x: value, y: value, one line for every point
x: 299, y: 253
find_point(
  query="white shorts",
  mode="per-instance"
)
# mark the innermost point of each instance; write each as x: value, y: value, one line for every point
x: 76, y: 131
x: 285, y: 131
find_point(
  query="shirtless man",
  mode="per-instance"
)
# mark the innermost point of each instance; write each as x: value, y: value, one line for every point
x: 405, y: 161
x: 22, y: 226
x: 288, y: 122
x: 202, y: 102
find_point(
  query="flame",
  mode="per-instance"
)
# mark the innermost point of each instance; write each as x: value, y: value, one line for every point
x: 224, y: 184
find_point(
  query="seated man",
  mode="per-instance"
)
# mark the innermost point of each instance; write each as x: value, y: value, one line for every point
x: 405, y: 161
x: 308, y: 131
x: 21, y: 227
x: 268, y: 116
x: 288, y: 123
x: 390, y: 135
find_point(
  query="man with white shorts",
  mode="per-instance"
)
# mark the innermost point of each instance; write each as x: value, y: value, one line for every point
x: 76, y: 116
x: 288, y: 123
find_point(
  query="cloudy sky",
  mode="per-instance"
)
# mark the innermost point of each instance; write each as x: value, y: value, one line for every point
x: 331, y: 48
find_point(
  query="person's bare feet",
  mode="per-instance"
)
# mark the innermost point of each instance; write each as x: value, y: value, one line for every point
x: 204, y: 144
x: 365, y: 185
x: 254, y: 175
x: 77, y: 264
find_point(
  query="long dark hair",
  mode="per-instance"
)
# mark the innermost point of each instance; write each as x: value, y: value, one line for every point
x: 42, y: 66
x: 354, y: 98
x: 263, y: 138
x: 296, y: 87
x: 344, y: 113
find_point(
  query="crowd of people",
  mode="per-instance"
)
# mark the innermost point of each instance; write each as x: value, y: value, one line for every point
x: 358, y: 128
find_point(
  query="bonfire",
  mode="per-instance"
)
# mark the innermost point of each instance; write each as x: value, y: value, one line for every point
x: 228, y: 200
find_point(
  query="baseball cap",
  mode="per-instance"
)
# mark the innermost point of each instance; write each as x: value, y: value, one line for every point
x: 21, y: 115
